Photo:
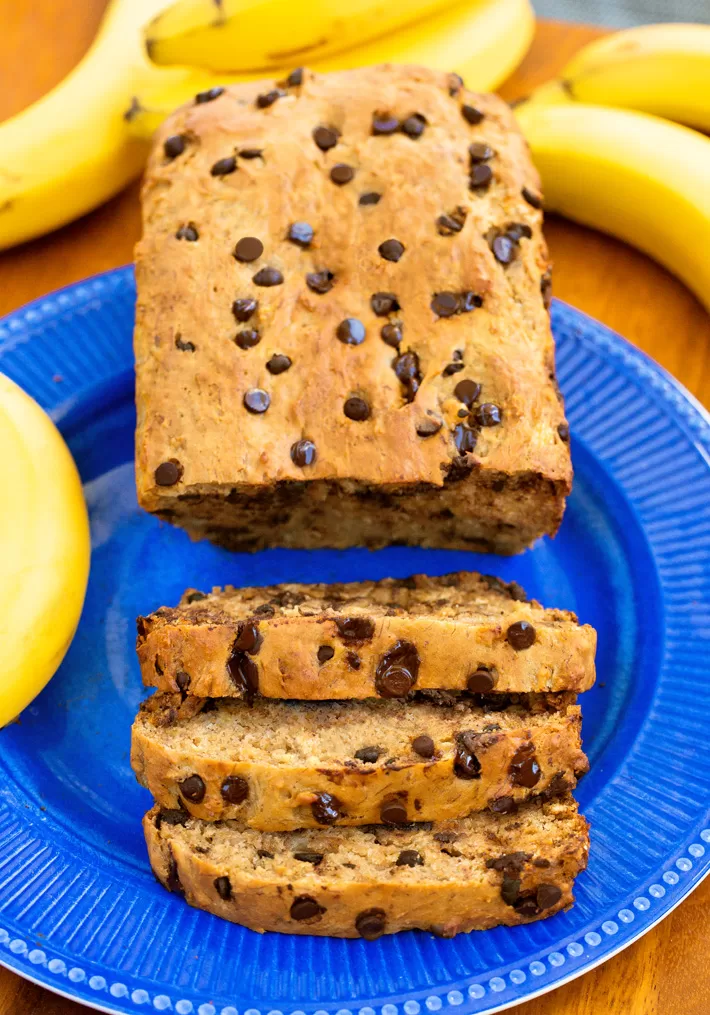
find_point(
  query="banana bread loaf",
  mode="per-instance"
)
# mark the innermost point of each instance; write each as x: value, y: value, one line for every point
x: 341, y: 333
x: 455, y: 876
x: 461, y: 631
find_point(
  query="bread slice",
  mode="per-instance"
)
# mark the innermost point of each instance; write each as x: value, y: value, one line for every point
x: 455, y: 876
x: 385, y: 638
x: 280, y: 765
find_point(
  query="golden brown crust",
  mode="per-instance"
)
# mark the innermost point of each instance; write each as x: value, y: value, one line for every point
x: 238, y: 481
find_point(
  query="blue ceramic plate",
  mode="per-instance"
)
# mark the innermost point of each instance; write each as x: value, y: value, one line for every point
x: 80, y: 911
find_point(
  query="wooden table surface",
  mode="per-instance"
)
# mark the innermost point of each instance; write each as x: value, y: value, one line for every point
x: 667, y: 972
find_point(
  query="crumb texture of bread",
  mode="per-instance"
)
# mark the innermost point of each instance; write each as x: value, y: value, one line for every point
x: 469, y: 874
x: 342, y: 335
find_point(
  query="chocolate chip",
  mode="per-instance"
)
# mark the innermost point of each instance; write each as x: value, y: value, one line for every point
x: 267, y: 99
x: 353, y: 660
x: 223, y: 167
x: 469, y: 301
x: 278, y: 364
x: 300, y: 233
x: 534, y: 200
x: 546, y: 289
x: 446, y: 836
x: 428, y: 427
x: 341, y: 173
x: 356, y: 408
x: 171, y: 816
x: 265, y: 610
x: 249, y: 638
x: 409, y: 858
x: 520, y: 635
x: 423, y: 745
x: 326, y: 809
x: 479, y: 151
x: 391, y: 250
x: 326, y: 137
x: 524, y: 769
x: 355, y: 628
x: 307, y: 857
x: 548, y: 895
x: 209, y: 95
x: 351, y: 331
x: 305, y: 907
x: 466, y: 763
x: 265, y: 854
x: 234, y: 789
x: 325, y: 652
x: 512, y: 863
x: 393, y: 812
x: 414, y: 126
x: 371, y: 197
x: 256, y: 400
x: 504, y: 249
x: 451, y: 223
x: 527, y: 906
x: 465, y: 439
x: 244, y: 308
x: 563, y: 432
x: 195, y: 597
x: 251, y: 153
x: 223, y: 888
x: 174, y: 145
x: 188, y: 232
x: 295, y: 78
x: 247, y: 339
x: 392, y: 334
x: 168, y: 473
x: 518, y: 231
x: 406, y: 367
x: 384, y: 123
x: 480, y: 177
x: 384, y: 303
x: 452, y: 368
x: 244, y: 673
x: 182, y: 681
x: 472, y: 115
x: 397, y: 670
x: 445, y: 304
x: 303, y: 453
x: 371, y: 923
x: 172, y: 882
x: 268, y: 277
x: 320, y: 281
x: 510, y: 890
x: 184, y: 346
x: 487, y: 414
x: 455, y: 84
x: 481, y: 681
x: 193, y: 789
x: 249, y: 248
x: 467, y: 391
x: 502, y: 805
x: 540, y: 861
x: 369, y: 754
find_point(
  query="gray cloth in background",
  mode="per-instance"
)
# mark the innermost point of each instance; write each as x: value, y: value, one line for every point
x: 624, y: 13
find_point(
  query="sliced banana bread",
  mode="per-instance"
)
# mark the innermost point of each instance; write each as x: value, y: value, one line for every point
x: 455, y: 876
x: 459, y: 631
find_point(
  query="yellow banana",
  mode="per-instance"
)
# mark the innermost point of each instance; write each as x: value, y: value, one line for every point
x: 44, y: 549
x: 638, y: 177
x: 661, y: 69
x: 483, y: 41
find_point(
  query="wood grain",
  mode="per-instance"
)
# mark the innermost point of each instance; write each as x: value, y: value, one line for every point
x: 667, y: 972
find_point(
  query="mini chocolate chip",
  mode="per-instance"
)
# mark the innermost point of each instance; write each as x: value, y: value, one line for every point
x: 370, y: 198
x: 249, y: 638
x: 351, y: 331
x: 503, y: 249
x: 244, y: 308
x: 423, y: 745
x: 305, y: 907
x: 487, y: 414
x: 371, y: 923
x: 455, y: 84
x: 173, y: 816
x: 184, y: 346
x: 392, y: 334
x: 527, y: 906
x: 445, y: 304
x: 295, y: 78
x: 209, y: 95
x: 353, y: 660
x: 452, y: 368
x: 244, y: 673
x: 249, y: 248
x: 518, y: 231
x: 234, y: 789
x: 467, y: 391
x: 533, y: 199
x: 341, y: 173
x: 172, y: 882
x: 520, y: 635
x: 265, y: 610
x: 267, y: 99
x: 384, y: 303
x: 393, y: 812
x: 300, y: 233
x: 268, y: 277
x: 502, y: 805
x: 355, y: 628
x: 325, y: 652
x: 256, y: 400
x: 406, y: 368
x: 510, y: 890
x: 548, y: 895
x: 383, y: 123
x: 512, y: 863
x: 546, y: 289
x: 563, y: 431
x: 414, y: 126
x: 193, y: 789
x: 223, y: 887
x: 356, y: 408
x: 466, y: 764
x: 447, y: 225
x: 391, y: 250
x: 397, y: 670
x: 278, y: 364
x: 465, y: 439
x: 481, y: 681
x: 524, y: 769
x: 326, y: 137
x: 303, y: 453
x: 174, y: 145
x: 195, y: 597
x: 307, y: 857
x: 369, y: 754
x: 265, y: 854
x: 247, y: 338
x: 320, y: 281
x: 250, y: 153
x: 479, y: 151
x: 223, y: 167
x: 472, y: 115
x: 182, y: 681
x: 428, y: 427
x: 481, y: 176
x: 326, y: 809
x: 409, y: 858
x: 168, y: 473
x: 188, y: 232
